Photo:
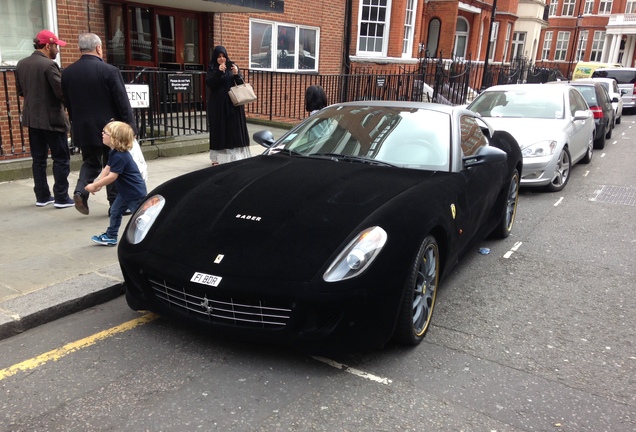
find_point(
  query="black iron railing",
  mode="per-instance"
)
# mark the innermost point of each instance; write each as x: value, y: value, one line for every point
x: 176, y: 100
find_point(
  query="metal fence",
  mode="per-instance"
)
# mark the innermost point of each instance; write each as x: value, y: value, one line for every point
x: 176, y: 100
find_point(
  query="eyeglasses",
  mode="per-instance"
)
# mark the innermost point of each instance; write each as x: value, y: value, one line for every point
x: 105, y: 133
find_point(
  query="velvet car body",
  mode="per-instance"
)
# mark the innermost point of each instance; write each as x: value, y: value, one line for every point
x: 337, y: 236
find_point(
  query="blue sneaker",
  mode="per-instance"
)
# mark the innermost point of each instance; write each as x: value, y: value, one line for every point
x: 45, y: 202
x: 103, y: 239
x: 64, y: 203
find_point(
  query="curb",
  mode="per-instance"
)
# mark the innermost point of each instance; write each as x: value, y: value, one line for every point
x: 25, y: 312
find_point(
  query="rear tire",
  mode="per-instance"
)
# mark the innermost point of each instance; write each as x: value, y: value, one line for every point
x: 509, y: 208
x: 590, y: 150
x: 420, y: 293
x: 600, y: 142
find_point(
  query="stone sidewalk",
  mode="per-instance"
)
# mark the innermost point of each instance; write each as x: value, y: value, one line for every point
x: 49, y: 267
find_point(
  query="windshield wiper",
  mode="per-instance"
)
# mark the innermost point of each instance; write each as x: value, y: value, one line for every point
x: 287, y: 152
x: 351, y: 158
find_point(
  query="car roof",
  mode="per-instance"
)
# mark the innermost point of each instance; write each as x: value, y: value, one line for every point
x: 513, y: 87
x: 404, y: 104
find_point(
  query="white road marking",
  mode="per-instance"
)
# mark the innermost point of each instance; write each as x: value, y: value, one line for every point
x: 558, y: 202
x: 512, y: 250
x: 354, y: 371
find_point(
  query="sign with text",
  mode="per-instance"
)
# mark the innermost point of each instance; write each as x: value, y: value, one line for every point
x: 179, y: 83
x: 138, y: 95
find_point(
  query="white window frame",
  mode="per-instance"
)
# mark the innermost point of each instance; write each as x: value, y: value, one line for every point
x: 605, y: 7
x: 597, y: 46
x: 518, y: 44
x: 493, y: 40
x: 409, y: 28
x: 506, y: 42
x: 568, y: 8
x: 581, y: 44
x: 374, y: 6
x: 461, y: 35
x: 553, y: 8
x: 273, y: 61
x: 547, y: 42
x: 18, y: 29
x: 630, y: 7
x: 588, y: 7
x: 562, y: 44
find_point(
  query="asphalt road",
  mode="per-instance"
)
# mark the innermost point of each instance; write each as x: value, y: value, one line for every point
x: 538, y: 335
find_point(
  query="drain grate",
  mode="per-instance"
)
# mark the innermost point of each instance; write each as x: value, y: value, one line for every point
x: 616, y: 195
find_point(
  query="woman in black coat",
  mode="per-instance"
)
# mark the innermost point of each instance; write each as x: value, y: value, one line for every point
x: 229, y: 139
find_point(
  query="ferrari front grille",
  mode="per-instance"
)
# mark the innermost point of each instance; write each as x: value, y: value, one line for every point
x: 226, y: 310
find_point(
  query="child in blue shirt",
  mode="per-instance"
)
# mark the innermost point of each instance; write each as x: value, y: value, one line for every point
x: 121, y: 169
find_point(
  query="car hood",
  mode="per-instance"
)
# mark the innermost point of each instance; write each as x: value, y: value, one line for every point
x: 272, y: 216
x: 528, y: 131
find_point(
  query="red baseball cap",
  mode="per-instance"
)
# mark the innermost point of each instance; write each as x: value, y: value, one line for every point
x: 48, y: 37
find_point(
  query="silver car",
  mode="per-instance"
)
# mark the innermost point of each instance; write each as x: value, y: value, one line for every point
x: 552, y: 124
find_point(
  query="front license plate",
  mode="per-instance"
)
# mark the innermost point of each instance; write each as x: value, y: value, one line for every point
x: 206, y: 279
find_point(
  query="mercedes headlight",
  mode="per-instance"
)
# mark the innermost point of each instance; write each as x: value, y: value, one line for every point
x: 143, y: 218
x: 540, y: 149
x: 357, y: 256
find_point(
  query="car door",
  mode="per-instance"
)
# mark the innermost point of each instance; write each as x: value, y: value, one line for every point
x: 483, y: 182
x: 580, y: 129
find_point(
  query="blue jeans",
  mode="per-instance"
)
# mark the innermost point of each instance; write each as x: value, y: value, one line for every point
x: 41, y: 141
x: 117, y: 210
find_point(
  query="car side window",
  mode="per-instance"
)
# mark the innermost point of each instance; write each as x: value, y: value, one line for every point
x: 577, y: 102
x: 472, y: 138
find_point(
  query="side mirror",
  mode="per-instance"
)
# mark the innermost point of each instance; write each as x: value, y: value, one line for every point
x: 623, y: 92
x: 264, y: 138
x: 614, y: 99
x: 485, y: 155
x: 581, y: 115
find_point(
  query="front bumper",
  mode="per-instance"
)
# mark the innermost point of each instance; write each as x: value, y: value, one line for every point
x: 285, y: 312
x: 539, y: 171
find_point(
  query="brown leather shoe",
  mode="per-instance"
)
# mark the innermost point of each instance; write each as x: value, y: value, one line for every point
x: 81, y: 203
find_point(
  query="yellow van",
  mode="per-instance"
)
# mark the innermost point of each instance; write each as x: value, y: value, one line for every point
x: 585, y: 69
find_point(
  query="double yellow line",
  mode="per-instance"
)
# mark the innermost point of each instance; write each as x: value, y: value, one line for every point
x: 69, y: 348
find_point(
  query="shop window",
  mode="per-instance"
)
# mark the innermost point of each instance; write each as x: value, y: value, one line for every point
x: 20, y: 21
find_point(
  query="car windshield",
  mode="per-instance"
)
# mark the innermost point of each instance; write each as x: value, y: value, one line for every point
x: 399, y: 136
x: 538, y: 102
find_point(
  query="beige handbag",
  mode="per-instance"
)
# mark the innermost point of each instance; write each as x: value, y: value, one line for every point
x: 242, y: 94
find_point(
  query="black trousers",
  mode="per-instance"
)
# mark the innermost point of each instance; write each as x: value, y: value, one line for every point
x: 94, y: 159
x: 41, y: 141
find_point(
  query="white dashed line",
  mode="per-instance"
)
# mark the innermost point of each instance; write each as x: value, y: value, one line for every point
x: 354, y: 371
x: 512, y: 250
x: 558, y: 202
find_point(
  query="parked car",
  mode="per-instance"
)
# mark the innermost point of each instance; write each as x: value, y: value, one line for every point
x: 552, y: 124
x: 331, y: 239
x: 585, y: 69
x: 626, y: 79
x: 616, y: 95
x: 600, y: 103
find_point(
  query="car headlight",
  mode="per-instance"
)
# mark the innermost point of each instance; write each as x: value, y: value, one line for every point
x: 357, y: 256
x: 143, y: 218
x: 542, y: 148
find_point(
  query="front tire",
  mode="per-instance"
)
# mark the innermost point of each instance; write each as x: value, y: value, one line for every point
x: 562, y: 171
x: 419, y: 296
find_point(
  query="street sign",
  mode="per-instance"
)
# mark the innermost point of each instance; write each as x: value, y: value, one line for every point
x: 138, y: 95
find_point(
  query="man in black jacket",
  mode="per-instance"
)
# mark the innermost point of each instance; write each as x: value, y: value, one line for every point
x: 95, y: 94
x: 38, y: 81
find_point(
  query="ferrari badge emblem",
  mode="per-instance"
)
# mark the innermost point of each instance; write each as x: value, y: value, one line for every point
x: 218, y: 258
x: 453, y: 211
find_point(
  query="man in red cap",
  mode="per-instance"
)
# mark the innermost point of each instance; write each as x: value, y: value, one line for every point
x: 38, y: 80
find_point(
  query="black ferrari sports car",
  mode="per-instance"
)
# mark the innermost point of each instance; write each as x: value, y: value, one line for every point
x: 336, y: 236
